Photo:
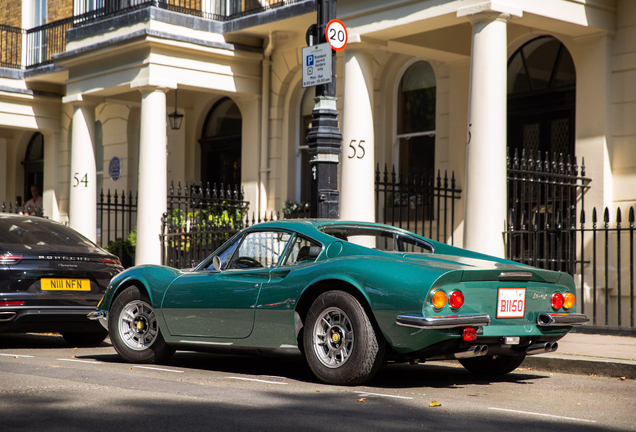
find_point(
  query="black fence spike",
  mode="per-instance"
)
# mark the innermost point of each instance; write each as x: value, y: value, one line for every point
x: 606, y: 218
x: 619, y: 218
x: 631, y: 216
x: 594, y: 217
x: 583, y: 167
x: 582, y: 217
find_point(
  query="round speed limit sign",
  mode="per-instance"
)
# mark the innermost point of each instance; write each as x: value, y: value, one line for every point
x: 337, y: 34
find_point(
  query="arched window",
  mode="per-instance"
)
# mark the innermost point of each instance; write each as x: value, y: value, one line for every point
x: 34, y: 165
x: 416, y: 119
x: 221, y: 145
x: 541, y: 98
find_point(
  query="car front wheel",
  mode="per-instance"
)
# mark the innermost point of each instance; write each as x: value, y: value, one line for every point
x: 134, y: 330
x: 340, y: 343
x: 493, y: 365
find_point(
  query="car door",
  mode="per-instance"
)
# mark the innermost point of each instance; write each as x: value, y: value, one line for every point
x: 221, y: 304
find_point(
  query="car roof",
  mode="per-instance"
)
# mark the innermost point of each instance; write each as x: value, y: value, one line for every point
x: 311, y: 227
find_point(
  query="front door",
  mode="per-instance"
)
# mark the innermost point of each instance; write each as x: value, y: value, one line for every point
x: 221, y: 303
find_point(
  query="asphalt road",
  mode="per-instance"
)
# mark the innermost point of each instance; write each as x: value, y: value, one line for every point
x: 46, y: 385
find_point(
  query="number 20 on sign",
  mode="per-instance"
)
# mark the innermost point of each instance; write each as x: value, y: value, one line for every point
x: 337, y: 35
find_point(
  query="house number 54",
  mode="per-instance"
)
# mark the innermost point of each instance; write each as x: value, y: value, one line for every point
x: 77, y: 180
x: 352, y: 146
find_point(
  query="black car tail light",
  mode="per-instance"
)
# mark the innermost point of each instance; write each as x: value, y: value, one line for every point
x: 11, y: 303
x: 111, y: 262
x: 10, y: 259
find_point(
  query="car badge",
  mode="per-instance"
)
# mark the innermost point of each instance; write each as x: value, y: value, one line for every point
x: 539, y: 296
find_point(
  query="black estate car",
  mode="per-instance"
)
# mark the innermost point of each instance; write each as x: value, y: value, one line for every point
x: 51, y: 277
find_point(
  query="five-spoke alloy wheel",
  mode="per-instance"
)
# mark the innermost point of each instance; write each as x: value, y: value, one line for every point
x: 340, y: 342
x: 134, y: 330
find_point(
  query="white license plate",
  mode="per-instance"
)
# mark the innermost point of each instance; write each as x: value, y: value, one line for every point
x: 511, y: 303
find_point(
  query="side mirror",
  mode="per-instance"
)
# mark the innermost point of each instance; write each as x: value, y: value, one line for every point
x: 216, y: 263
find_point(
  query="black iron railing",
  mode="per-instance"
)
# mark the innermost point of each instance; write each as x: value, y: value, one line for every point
x: 600, y: 258
x: 199, y: 220
x: 18, y: 209
x: 11, y: 46
x: 46, y: 40
x: 117, y: 224
x: 610, y: 292
x: 542, y: 200
x: 421, y: 204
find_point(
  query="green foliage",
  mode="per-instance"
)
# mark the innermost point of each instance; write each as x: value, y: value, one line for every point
x: 128, y: 244
x: 290, y: 207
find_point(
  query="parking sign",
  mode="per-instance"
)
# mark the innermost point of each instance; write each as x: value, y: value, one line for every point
x: 316, y: 65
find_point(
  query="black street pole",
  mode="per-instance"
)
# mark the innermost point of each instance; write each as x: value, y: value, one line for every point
x: 324, y: 138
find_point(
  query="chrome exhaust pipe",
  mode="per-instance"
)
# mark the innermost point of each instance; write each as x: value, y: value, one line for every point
x: 473, y: 351
x: 542, y: 348
x: 7, y: 316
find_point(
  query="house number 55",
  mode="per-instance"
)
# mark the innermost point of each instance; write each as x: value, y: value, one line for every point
x: 352, y: 146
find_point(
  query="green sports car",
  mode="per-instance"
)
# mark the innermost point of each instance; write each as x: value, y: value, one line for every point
x: 349, y: 295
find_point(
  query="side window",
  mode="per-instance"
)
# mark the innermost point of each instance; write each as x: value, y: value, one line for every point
x: 303, y: 251
x: 226, y: 255
x: 260, y: 249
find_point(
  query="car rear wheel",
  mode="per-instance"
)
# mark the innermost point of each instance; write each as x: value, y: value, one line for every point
x: 340, y: 343
x: 85, y: 339
x: 134, y: 330
x: 493, y: 365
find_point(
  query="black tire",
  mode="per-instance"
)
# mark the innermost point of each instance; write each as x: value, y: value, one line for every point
x: 493, y: 365
x: 137, y: 339
x: 349, y: 352
x: 85, y: 339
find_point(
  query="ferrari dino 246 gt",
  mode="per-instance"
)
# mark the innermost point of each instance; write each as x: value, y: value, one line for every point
x: 348, y: 295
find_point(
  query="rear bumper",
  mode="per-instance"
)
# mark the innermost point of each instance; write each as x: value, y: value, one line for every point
x: 443, y: 322
x: 99, y: 316
x: 46, y: 319
x: 556, y: 319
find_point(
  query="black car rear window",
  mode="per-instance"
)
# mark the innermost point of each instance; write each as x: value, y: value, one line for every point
x: 39, y: 234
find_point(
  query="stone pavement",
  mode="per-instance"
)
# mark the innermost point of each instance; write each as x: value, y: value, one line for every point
x: 589, y: 354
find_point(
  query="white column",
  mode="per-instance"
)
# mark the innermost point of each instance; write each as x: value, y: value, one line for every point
x: 485, y: 211
x: 357, y: 199
x: 152, y: 178
x: 82, y: 212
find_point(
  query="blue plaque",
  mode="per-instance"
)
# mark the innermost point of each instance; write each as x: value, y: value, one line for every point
x: 114, y: 168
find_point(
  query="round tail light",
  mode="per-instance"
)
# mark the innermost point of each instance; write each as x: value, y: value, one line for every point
x: 439, y: 299
x: 568, y: 301
x: 456, y: 300
x: 557, y: 301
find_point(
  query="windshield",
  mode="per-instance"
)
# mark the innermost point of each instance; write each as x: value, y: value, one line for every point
x: 383, y: 239
x: 39, y: 234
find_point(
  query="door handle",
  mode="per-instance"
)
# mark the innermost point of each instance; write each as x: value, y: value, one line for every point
x: 281, y: 273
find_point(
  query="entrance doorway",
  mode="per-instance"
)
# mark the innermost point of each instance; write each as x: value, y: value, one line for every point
x: 34, y: 166
x: 221, y: 145
x: 541, y: 99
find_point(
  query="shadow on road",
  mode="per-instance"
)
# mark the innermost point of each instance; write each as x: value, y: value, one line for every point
x: 37, y: 341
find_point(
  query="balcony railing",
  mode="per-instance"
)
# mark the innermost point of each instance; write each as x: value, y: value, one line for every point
x: 44, y: 41
x: 10, y: 46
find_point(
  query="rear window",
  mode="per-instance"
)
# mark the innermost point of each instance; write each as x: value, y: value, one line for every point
x: 39, y: 234
x: 379, y: 238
